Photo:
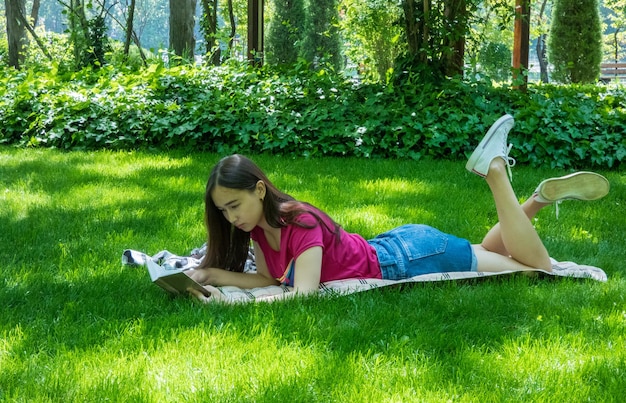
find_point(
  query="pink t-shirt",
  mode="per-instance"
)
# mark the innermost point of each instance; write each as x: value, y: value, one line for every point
x: 352, y: 257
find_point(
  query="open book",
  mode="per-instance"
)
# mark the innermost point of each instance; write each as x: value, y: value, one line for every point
x: 174, y: 281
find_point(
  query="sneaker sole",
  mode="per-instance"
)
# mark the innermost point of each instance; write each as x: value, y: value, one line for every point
x: 578, y: 186
x: 478, y: 151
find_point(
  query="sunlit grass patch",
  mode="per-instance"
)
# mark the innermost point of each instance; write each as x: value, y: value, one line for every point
x: 78, y: 326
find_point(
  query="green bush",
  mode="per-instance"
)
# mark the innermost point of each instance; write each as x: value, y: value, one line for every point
x: 4, y: 50
x: 495, y: 61
x: 235, y: 108
x: 571, y: 126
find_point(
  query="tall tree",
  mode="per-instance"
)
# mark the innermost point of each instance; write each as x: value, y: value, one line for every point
x: 233, y: 28
x: 521, y: 44
x: 34, y: 12
x: 435, y: 33
x: 456, y: 24
x: 285, y: 32
x: 321, y: 38
x: 208, y: 23
x: 416, y: 17
x: 88, y: 36
x: 149, y: 18
x: 129, y: 27
x: 182, y: 23
x: 575, y: 43
x: 79, y: 31
x: 16, y: 31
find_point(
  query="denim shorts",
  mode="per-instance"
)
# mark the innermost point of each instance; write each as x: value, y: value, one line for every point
x: 411, y: 250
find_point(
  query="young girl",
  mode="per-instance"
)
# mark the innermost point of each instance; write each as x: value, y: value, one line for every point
x: 299, y: 245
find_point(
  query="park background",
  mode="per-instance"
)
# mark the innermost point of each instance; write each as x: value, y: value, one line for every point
x: 368, y: 109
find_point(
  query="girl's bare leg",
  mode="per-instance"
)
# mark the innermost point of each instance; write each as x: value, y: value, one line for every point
x: 576, y: 186
x: 513, y: 244
x: 493, y: 240
x: 518, y: 236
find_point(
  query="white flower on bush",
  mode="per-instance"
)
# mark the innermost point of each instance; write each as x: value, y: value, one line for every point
x: 77, y: 96
x: 360, y: 131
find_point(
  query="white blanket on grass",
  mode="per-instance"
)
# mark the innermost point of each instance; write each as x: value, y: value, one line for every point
x: 348, y: 286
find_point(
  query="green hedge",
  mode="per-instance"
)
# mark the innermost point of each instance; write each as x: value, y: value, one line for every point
x: 236, y: 109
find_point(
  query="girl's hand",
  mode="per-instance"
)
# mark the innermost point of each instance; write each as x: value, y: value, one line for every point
x: 200, y: 276
x: 216, y: 295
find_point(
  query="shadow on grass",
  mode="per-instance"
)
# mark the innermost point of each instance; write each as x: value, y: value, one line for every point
x: 426, y: 320
x: 61, y: 199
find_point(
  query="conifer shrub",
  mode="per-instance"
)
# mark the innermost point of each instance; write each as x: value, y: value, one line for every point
x: 321, y: 41
x: 285, y: 32
x: 575, y: 41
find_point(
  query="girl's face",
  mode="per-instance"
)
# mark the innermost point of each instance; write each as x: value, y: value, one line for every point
x: 242, y: 208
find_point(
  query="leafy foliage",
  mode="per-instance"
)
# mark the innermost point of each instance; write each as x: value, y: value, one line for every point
x: 495, y: 61
x: 234, y: 108
x: 435, y: 32
x: 372, y: 36
x: 88, y: 35
x: 615, y: 37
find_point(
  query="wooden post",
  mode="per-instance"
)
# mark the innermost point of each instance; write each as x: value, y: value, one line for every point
x: 255, y: 32
x: 521, y: 42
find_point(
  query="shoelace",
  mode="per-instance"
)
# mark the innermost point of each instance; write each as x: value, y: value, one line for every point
x: 556, y: 204
x: 556, y: 207
x: 509, y: 161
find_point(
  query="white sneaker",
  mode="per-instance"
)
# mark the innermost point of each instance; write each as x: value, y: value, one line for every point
x: 493, y: 145
x: 576, y: 186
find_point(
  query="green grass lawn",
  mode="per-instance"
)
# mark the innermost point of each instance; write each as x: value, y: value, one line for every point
x: 76, y: 325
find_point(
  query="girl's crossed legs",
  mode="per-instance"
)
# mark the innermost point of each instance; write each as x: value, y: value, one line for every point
x: 513, y: 243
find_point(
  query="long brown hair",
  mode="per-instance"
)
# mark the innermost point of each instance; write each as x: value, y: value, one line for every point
x: 227, y: 246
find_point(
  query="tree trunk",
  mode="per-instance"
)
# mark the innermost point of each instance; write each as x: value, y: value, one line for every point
x: 233, y: 28
x: 209, y: 28
x: 256, y: 32
x: 16, y: 31
x: 521, y: 43
x: 182, y: 22
x: 416, y: 27
x: 616, y: 45
x: 131, y: 34
x: 79, y: 32
x: 32, y: 31
x: 34, y: 12
x: 129, y: 28
x: 456, y: 15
